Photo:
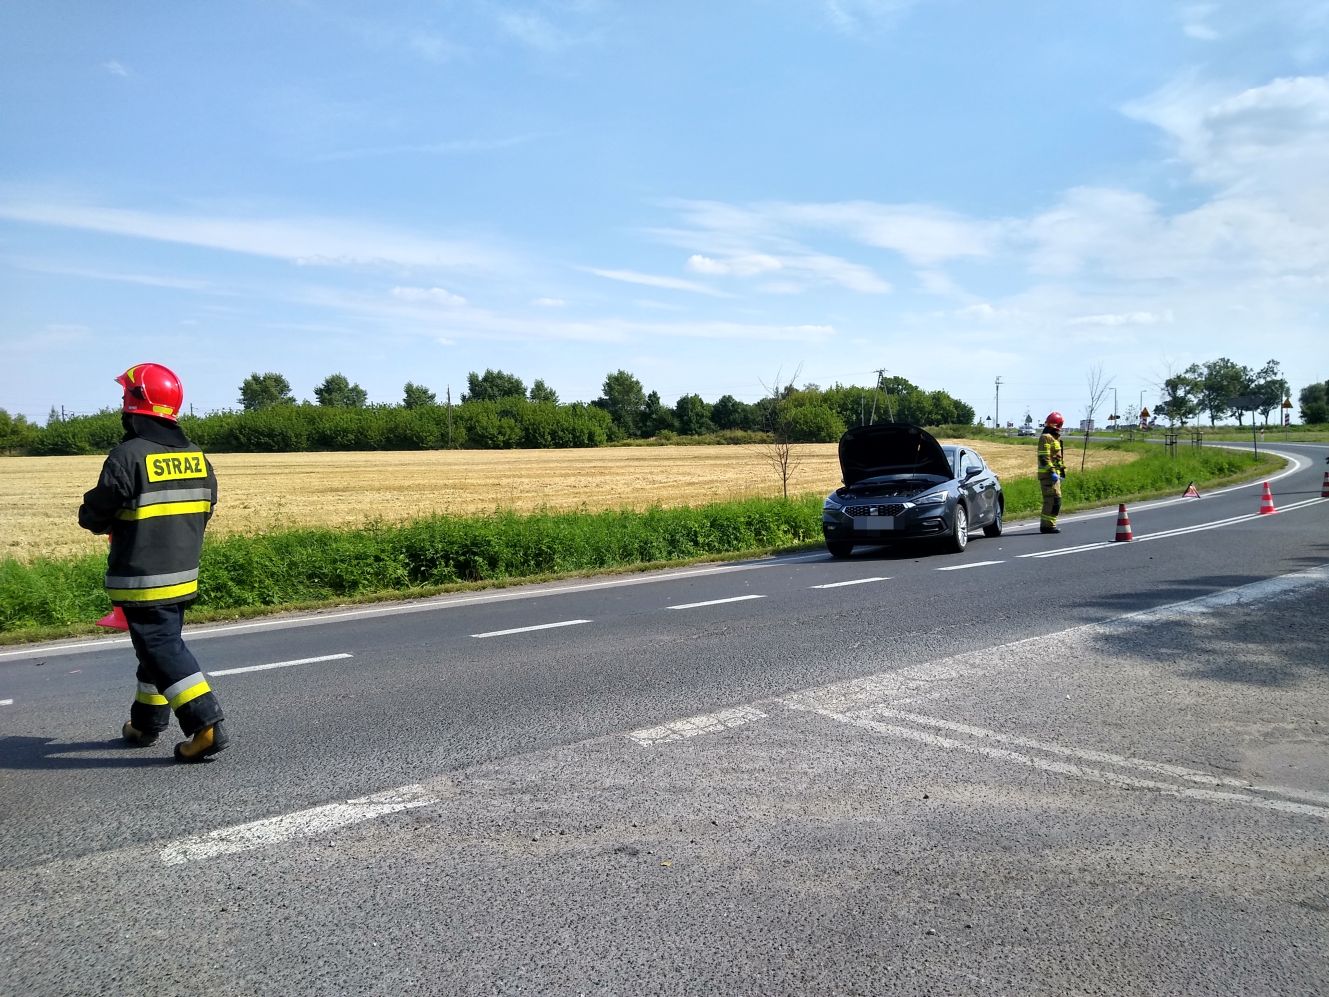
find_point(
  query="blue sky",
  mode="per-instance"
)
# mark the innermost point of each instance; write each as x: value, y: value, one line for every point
x: 709, y: 195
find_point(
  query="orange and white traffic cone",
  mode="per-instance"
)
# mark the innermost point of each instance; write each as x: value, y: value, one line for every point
x: 1267, y: 502
x: 114, y: 620
x: 1324, y: 488
x: 1123, y: 525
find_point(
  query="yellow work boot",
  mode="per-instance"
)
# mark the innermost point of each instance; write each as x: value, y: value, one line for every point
x: 138, y: 738
x: 208, y: 741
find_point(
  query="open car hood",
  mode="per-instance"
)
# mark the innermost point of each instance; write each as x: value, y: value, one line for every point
x: 891, y: 448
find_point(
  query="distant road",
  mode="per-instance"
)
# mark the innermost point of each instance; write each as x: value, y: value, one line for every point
x: 1049, y: 764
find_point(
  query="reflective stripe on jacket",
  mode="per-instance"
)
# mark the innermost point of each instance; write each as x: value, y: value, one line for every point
x: 1049, y: 456
x: 155, y: 496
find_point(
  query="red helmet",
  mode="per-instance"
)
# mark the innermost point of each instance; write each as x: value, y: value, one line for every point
x: 151, y: 389
x: 1054, y: 419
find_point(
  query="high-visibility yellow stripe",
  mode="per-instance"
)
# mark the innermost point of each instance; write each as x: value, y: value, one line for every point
x: 149, y: 595
x: 150, y: 699
x: 164, y: 509
x: 190, y: 694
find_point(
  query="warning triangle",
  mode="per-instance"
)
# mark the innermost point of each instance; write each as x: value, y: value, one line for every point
x: 1190, y: 491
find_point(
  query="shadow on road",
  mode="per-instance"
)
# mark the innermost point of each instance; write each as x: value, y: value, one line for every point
x: 48, y: 753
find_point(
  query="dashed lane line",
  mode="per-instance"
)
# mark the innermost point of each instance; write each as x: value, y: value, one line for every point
x: 975, y: 564
x: 715, y: 602
x: 526, y: 630
x: 6, y: 702
x: 278, y: 664
x: 705, y: 723
x: 852, y: 581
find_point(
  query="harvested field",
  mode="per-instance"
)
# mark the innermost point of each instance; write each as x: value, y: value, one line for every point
x: 39, y: 496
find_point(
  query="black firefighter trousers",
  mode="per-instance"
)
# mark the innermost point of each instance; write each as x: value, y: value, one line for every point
x: 168, y: 675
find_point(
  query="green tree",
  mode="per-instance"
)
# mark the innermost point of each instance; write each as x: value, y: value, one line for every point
x: 730, y: 413
x: 1181, y: 395
x: 541, y: 392
x: 491, y: 386
x: 1269, y: 388
x: 260, y: 391
x: 625, y: 401
x: 417, y: 396
x: 1314, y: 399
x: 337, y: 392
x: 656, y: 417
x: 1222, y: 381
x: 692, y: 416
x: 16, y: 433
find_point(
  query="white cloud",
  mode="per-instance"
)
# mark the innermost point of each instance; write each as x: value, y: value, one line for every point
x: 307, y: 241
x: 1115, y: 319
x: 737, y: 266
x: 432, y: 295
x: 534, y: 31
x: 858, y: 16
x: 450, y: 147
x: 549, y: 303
x: 115, y: 68
x: 1195, y: 21
x: 653, y: 280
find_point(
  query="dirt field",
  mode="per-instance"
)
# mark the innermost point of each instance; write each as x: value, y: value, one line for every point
x: 39, y: 496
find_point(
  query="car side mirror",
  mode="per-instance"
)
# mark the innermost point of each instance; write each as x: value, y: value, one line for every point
x: 971, y: 472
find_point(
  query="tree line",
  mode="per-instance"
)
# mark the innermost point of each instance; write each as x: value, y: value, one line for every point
x: 1225, y: 389
x: 499, y: 411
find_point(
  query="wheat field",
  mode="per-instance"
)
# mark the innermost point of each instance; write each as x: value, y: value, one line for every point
x: 259, y: 493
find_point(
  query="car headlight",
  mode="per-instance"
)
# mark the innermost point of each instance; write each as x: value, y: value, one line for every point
x: 936, y: 498
x: 830, y: 505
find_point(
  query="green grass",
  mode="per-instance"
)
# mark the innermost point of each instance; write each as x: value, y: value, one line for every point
x: 245, y: 576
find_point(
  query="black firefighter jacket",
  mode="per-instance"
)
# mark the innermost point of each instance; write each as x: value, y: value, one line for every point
x: 155, y: 495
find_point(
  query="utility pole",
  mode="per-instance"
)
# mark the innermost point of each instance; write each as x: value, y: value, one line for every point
x: 449, y: 396
x: 1116, y: 414
x: 996, y: 406
x: 881, y: 372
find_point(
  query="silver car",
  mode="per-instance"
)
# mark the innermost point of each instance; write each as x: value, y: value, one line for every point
x: 901, y: 484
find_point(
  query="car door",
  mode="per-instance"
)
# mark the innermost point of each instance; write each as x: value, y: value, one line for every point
x: 976, y: 486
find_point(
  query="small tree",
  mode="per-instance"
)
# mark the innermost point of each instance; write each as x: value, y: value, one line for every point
x: 1098, y: 387
x: 1314, y: 399
x: 541, y: 392
x: 260, y: 391
x: 779, y: 451
x: 418, y: 396
x: 692, y: 416
x: 625, y: 401
x: 337, y: 392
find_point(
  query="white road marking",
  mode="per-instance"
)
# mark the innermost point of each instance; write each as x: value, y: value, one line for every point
x: 278, y: 664
x: 706, y: 723
x: 962, y: 567
x: 1079, y: 771
x: 715, y: 602
x: 852, y: 581
x: 301, y: 824
x: 1179, y: 531
x: 1089, y: 755
x: 6, y: 702
x: 524, y: 630
x: 432, y: 604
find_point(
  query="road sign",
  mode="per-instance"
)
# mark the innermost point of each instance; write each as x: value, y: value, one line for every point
x: 1144, y: 413
x: 1244, y: 402
x: 1287, y: 403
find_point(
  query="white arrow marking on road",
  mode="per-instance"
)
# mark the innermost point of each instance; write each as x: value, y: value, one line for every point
x: 976, y: 564
x: 852, y: 581
x: 301, y: 824
x: 278, y: 664
x: 524, y: 630
x: 715, y: 602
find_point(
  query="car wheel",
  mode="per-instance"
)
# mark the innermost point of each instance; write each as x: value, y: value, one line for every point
x: 993, y: 529
x: 839, y: 548
x: 959, y: 538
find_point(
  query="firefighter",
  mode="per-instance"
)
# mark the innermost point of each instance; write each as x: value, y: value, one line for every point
x: 155, y: 495
x: 1051, y: 470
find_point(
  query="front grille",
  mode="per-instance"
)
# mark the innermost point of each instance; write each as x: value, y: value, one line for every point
x: 875, y: 510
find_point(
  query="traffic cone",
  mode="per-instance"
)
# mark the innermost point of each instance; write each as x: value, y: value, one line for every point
x: 1324, y: 488
x: 1190, y: 491
x: 1267, y: 502
x: 1123, y: 525
x: 114, y: 620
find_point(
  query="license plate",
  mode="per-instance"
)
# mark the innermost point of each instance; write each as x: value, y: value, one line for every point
x: 874, y: 522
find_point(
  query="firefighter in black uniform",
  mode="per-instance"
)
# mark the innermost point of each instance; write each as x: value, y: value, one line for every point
x: 155, y: 495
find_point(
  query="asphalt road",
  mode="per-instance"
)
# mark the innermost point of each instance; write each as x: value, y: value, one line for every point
x: 1047, y: 765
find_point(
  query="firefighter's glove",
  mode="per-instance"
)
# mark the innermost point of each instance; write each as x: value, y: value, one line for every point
x: 1055, y: 477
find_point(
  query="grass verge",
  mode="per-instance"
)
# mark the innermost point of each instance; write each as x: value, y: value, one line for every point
x: 313, y: 568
